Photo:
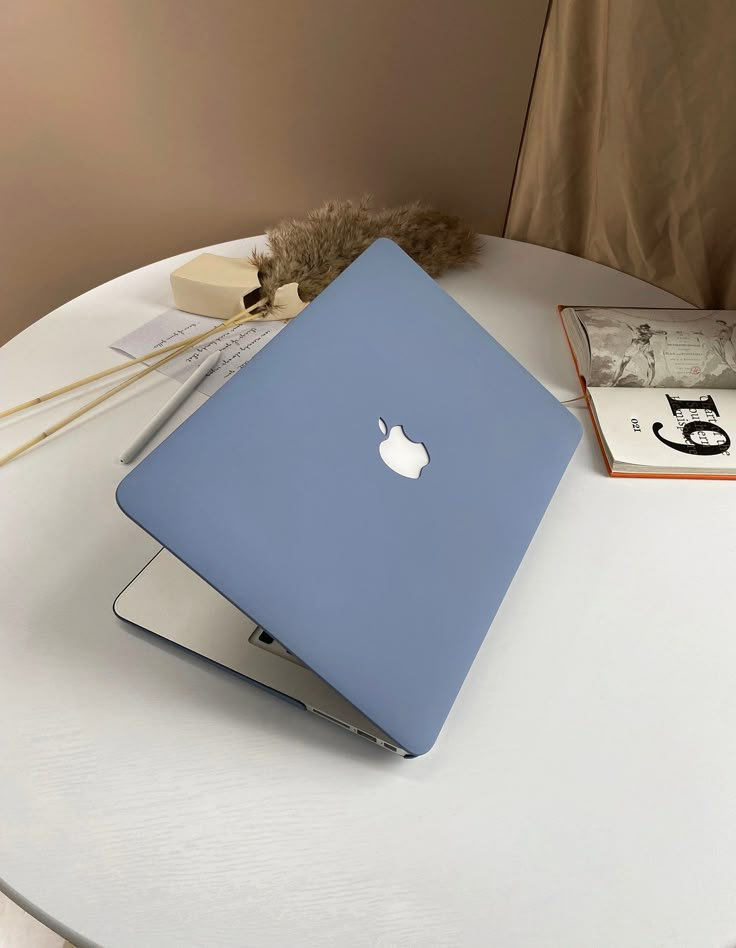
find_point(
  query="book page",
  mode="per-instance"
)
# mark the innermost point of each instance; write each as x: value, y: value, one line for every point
x: 655, y: 348
x: 668, y: 429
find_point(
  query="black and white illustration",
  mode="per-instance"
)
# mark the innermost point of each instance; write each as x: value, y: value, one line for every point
x: 641, y: 347
x: 644, y: 349
x: 724, y: 345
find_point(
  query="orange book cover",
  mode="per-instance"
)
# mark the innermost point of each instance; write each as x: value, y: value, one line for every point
x: 611, y: 472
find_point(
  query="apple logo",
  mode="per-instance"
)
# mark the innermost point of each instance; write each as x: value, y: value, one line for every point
x: 401, y: 454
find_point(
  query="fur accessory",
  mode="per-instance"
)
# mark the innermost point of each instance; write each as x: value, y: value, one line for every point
x: 315, y: 250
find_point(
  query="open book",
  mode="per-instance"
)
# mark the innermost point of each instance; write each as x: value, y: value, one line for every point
x: 660, y: 385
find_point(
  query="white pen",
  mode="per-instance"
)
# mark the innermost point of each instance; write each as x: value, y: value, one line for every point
x: 167, y: 410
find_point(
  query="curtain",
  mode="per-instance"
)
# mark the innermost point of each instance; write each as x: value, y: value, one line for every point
x: 629, y: 153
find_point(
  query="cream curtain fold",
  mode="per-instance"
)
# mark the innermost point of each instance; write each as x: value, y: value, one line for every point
x: 629, y: 154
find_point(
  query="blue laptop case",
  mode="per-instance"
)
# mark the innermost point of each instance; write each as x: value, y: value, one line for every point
x: 275, y: 493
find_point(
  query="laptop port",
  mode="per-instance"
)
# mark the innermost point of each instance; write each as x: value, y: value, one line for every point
x: 329, y: 717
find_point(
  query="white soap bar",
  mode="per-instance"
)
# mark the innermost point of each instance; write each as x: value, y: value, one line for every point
x: 210, y: 285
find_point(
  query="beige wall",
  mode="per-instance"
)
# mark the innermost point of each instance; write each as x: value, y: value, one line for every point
x: 135, y: 129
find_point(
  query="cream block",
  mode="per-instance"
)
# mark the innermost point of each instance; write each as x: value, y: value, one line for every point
x: 210, y: 285
x: 287, y: 302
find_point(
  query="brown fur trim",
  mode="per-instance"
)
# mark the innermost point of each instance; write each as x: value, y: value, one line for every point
x: 315, y: 250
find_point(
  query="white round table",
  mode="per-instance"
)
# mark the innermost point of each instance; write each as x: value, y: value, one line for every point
x: 582, y: 792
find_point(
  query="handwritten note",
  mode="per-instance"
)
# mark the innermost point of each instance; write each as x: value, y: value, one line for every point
x: 237, y: 346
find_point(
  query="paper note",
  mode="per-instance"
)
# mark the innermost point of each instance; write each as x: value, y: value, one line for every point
x: 237, y: 346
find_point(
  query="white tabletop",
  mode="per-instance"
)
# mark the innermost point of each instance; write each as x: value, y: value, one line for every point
x: 582, y: 792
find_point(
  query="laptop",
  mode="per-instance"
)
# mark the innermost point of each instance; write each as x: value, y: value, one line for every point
x: 341, y: 521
